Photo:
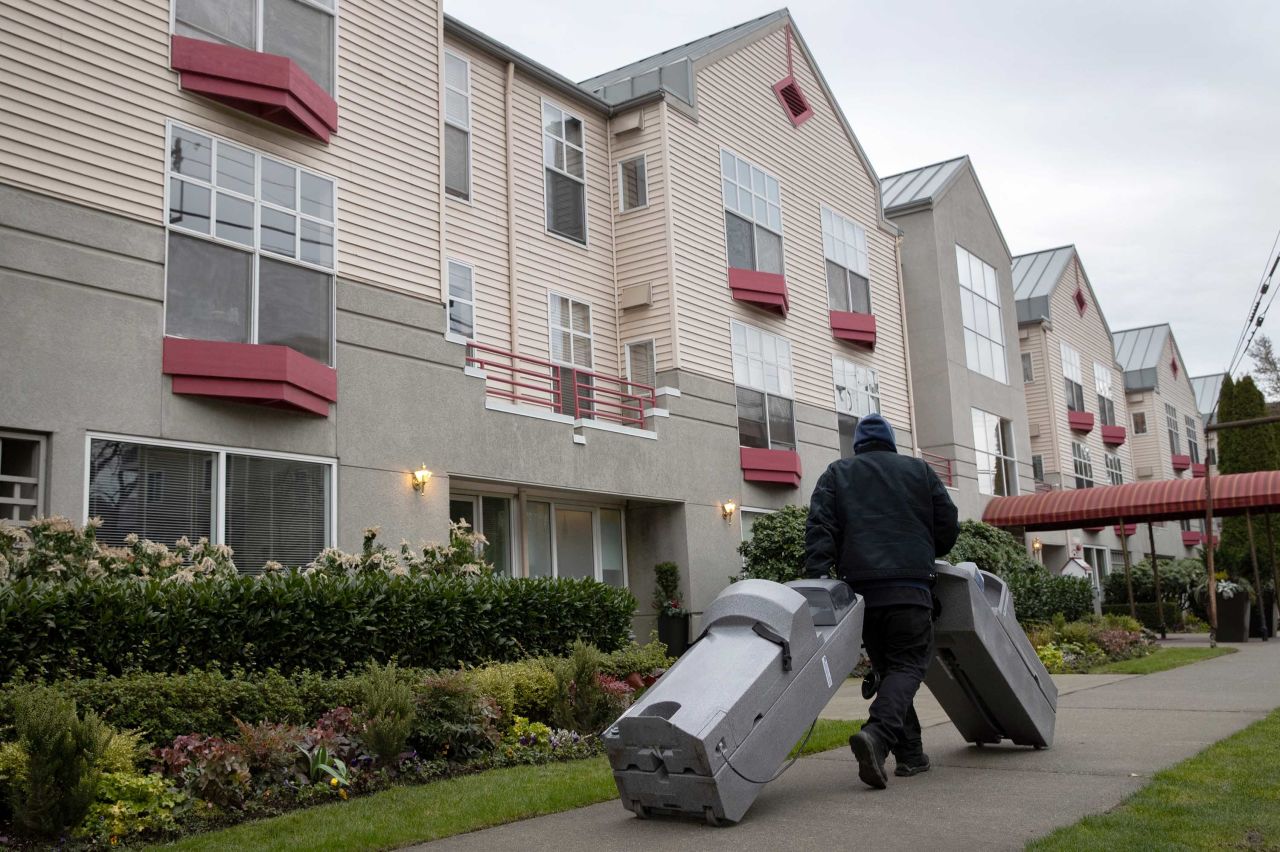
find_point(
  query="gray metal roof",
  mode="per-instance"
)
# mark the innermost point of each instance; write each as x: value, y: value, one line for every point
x: 920, y: 185
x: 672, y: 69
x: 1207, y: 389
x: 1140, y: 348
x: 1038, y: 273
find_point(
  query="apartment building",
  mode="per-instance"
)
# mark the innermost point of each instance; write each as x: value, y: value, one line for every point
x: 1208, y: 389
x: 962, y: 323
x: 274, y: 295
x: 1076, y: 406
x: 1168, y: 432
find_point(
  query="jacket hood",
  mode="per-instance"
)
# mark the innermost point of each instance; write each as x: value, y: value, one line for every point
x: 873, y: 429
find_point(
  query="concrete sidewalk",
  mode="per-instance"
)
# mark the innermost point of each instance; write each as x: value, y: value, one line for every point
x: 1113, y: 733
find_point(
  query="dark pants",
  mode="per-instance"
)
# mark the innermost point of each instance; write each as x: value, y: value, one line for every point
x: 899, y: 641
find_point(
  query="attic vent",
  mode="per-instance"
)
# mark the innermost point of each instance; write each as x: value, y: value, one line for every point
x: 793, y: 101
x: 1081, y: 303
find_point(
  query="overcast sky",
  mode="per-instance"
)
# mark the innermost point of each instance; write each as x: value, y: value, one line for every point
x: 1147, y: 133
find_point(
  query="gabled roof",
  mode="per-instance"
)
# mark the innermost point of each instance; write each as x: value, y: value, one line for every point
x: 1207, y: 389
x: 670, y: 69
x: 919, y: 186
x: 1139, y: 352
x: 1038, y: 273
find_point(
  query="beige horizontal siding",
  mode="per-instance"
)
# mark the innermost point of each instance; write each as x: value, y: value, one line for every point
x: 815, y: 164
x: 1153, y: 448
x: 88, y: 88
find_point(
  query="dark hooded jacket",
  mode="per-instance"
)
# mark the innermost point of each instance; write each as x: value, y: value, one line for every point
x: 879, y: 518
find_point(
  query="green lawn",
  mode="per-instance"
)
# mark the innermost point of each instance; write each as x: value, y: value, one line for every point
x: 1226, y: 797
x: 416, y: 814
x: 1162, y: 660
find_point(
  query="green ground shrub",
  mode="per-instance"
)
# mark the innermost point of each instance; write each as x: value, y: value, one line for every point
x: 775, y: 550
x: 1037, y: 594
x: 386, y: 712
x: 1178, y: 579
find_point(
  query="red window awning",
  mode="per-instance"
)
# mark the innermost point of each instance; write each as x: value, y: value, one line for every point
x: 1138, y: 502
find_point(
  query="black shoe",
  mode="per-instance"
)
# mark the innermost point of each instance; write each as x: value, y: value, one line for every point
x: 912, y: 766
x: 870, y: 754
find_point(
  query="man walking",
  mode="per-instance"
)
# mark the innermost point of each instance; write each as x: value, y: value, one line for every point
x: 877, y: 521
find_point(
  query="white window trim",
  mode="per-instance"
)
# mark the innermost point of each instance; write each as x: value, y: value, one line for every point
x: 477, y: 502
x: 551, y: 330
x: 449, y: 334
x: 1085, y: 458
x: 865, y: 272
x: 219, y: 518
x: 782, y: 219
x: 336, y: 12
x: 596, y: 540
x: 1009, y: 455
x: 644, y: 164
x: 1113, y: 470
x: 586, y: 186
x: 841, y: 365
x: 1002, y: 343
x: 762, y: 389
x: 1030, y: 362
x: 471, y: 175
x: 254, y: 250
x: 42, y: 472
x: 653, y: 350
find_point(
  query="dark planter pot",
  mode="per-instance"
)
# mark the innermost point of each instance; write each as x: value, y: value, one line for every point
x: 1269, y: 611
x: 1233, y: 618
x: 673, y: 631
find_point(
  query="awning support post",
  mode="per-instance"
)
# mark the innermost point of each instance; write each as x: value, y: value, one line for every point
x: 1128, y: 572
x: 1257, y: 580
x: 1155, y: 571
x: 1212, y: 581
x: 1275, y: 569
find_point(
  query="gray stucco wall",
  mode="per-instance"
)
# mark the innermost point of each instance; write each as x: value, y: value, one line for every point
x: 946, y: 390
x: 81, y: 335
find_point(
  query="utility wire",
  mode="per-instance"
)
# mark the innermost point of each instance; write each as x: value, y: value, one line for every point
x: 1257, y: 313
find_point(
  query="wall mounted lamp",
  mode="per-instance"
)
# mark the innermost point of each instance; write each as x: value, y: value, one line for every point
x: 421, y: 477
x: 1036, y: 544
x: 727, y: 508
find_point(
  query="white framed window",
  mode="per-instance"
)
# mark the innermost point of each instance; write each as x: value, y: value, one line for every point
x: 993, y: 454
x: 22, y: 475
x: 844, y: 246
x: 642, y: 364
x: 1193, y: 439
x: 1082, y: 460
x: 265, y: 506
x: 980, y: 311
x: 633, y: 185
x: 1115, y: 469
x: 1028, y: 369
x: 584, y: 542
x: 569, y: 321
x: 493, y: 516
x: 1072, y: 378
x: 752, y: 215
x: 1102, y: 382
x: 1171, y: 426
x: 252, y: 243
x: 762, y: 373
x: 1037, y: 468
x: 305, y: 31
x: 564, y: 155
x: 1139, y: 423
x: 462, y: 300
x: 457, y: 126
x: 857, y: 395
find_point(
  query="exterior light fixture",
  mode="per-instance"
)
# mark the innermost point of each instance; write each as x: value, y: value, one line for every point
x: 727, y: 509
x: 1036, y: 544
x: 421, y: 477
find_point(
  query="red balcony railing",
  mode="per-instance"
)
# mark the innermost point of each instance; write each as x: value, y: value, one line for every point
x: 581, y: 394
x: 941, y: 465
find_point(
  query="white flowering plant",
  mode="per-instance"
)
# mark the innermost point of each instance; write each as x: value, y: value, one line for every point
x: 463, y: 555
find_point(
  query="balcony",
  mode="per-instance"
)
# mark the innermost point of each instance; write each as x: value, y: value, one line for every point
x: 770, y: 467
x: 766, y: 290
x: 261, y: 374
x: 559, y: 391
x: 854, y: 327
x: 941, y: 465
x: 1080, y: 421
x: 1180, y: 462
x: 271, y: 87
x: 1192, y: 538
x: 1198, y: 470
x: 1113, y: 436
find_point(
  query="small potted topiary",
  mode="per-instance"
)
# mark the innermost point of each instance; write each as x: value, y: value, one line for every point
x: 673, y: 618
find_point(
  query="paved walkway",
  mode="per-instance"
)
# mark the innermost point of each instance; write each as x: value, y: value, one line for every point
x: 1113, y: 733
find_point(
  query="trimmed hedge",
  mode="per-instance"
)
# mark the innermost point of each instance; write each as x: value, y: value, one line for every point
x: 293, y: 621
x: 1039, y: 595
x: 1147, y: 613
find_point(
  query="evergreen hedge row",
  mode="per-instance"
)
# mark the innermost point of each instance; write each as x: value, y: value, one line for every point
x: 292, y: 621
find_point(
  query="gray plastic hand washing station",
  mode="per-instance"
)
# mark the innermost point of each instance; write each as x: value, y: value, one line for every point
x: 985, y: 672
x: 714, y: 729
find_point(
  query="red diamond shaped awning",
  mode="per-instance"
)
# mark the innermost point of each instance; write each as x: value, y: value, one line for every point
x: 1138, y: 502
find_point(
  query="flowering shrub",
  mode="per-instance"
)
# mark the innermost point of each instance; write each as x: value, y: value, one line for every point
x: 461, y: 556
x: 210, y: 768
x: 130, y: 806
x: 1078, y: 646
x: 533, y: 742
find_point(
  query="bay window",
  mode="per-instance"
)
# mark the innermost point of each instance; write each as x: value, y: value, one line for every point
x: 844, y: 245
x: 251, y: 247
x: 1073, y: 378
x: 980, y: 313
x: 857, y: 395
x: 564, y: 166
x: 752, y: 215
x: 762, y: 374
x: 264, y: 506
x: 303, y: 30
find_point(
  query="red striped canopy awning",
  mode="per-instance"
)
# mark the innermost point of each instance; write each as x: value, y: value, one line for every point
x: 1138, y: 502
